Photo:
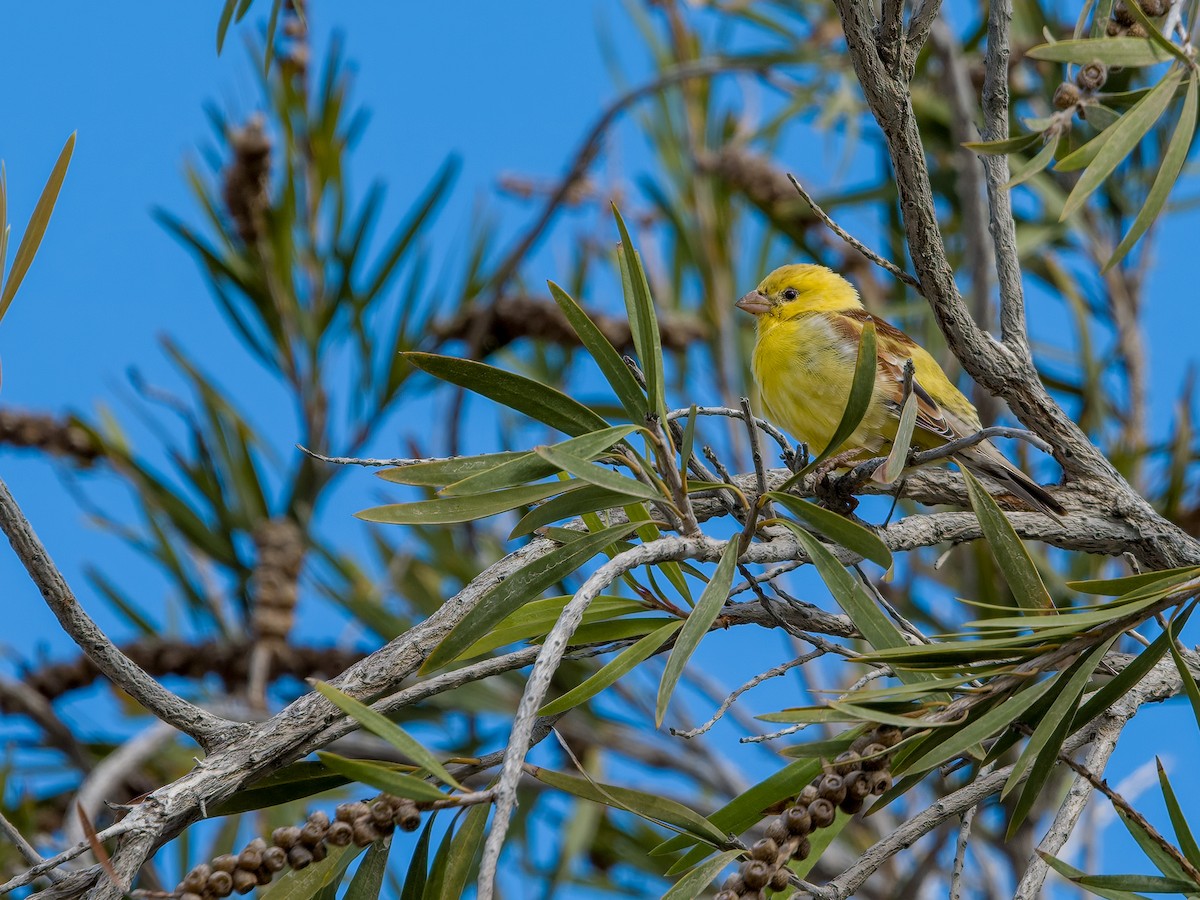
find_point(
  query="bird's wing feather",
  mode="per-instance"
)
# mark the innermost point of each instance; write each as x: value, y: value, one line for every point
x: 894, y: 349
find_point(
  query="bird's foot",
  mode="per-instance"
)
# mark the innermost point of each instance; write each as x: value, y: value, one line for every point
x: 835, y: 493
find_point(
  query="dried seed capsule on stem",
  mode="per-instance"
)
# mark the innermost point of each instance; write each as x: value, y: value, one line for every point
x: 821, y: 811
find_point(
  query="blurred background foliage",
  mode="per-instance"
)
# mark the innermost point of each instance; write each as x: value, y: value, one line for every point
x: 324, y: 294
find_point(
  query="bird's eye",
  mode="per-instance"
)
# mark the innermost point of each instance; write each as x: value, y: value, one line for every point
x: 789, y: 294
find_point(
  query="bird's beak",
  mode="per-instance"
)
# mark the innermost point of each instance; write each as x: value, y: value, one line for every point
x: 754, y: 303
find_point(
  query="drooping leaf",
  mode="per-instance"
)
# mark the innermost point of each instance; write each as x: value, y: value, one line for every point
x: 1130, y: 52
x: 36, y: 229
x: 626, y: 661
x: 893, y: 466
x: 1117, y: 587
x: 381, y: 777
x: 585, y: 499
x: 522, y: 586
x: 535, y: 619
x: 306, y: 883
x: 534, y: 399
x: 1125, y: 135
x: 1038, y: 164
x: 456, y: 856
x: 293, y: 782
x: 448, y: 510
x: 716, y: 592
x: 1185, y: 673
x: 652, y: 807
x: 597, y: 475
x: 439, y: 472
x: 1011, y: 556
x: 692, y: 884
x: 632, y: 397
x: 837, y: 528
x: 1041, y: 751
x: 368, y: 880
x: 1009, y: 145
x: 532, y: 466
x: 1168, y: 171
x: 383, y: 727
x: 1071, y: 873
x: 417, y: 879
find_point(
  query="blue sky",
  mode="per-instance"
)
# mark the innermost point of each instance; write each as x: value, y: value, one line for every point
x: 508, y: 87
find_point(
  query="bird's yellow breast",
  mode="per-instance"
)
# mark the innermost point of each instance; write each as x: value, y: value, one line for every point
x: 804, y: 368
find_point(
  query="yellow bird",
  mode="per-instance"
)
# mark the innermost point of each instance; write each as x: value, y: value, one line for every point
x: 810, y: 321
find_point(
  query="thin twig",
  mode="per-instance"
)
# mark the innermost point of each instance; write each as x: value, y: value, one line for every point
x: 960, y: 853
x: 26, y: 849
x: 728, y: 412
x: 208, y: 730
x: 854, y: 242
x: 754, y: 682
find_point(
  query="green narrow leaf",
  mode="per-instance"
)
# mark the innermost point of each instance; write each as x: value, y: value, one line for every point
x: 716, y: 592
x: 1117, y: 587
x: 978, y: 729
x: 1126, y: 135
x: 642, y: 318
x: 1183, y: 831
x: 1073, y: 874
x: 862, y: 389
x: 537, y: 618
x: 460, y: 852
x: 689, y: 440
x: 652, y: 807
x: 597, y: 475
x: 693, y: 884
x: 36, y: 229
x: 587, y: 498
x: 448, y: 510
x: 439, y: 472
x: 1155, y: 35
x: 522, y: 586
x: 303, y: 884
x: 383, y: 727
x: 1010, y: 554
x: 293, y: 782
x: 223, y: 23
x: 418, y: 867
x: 837, y: 528
x: 1008, y: 145
x: 1152, y: 884
x: 381, y: 777
x: 1131, y: 52
x: 1124, y: 681
x: 1185, y: 673
x: 534, y: 399
x: 530, y: 466
x: 1168, y: 171
x: 368, y: 880
x: 626, y: 661
x: 1163, y: 861
x: 1038, y: 164
x: 901, y: 444
x: 1041, y: 752
x: 624, y: 385
x: 269, y: 44
x: 874, y: 625
x: 1082, y: 157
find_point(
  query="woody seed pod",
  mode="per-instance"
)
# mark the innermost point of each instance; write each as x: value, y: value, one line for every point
x: 875, y: 757
x: 858, y: 786
x: 1121, y: 14
x: 728, y: 895
x: 734, y: 883
x: 833, y: 789
x: 220, y: 884
x: 274, y: 859
x: 196, y: 879
x: 312, y: 834
x: 888, y: 735
x: 381, y: 812
x: 821, y: 812
x: 778, y: 830
x: 851, y: 805
x: 765, y: 849
x: 756, y: 874
x: 244, y: 881
x: 264, y: 875
x: 348, y: 812
x: 252, y: 857
x: 340, y: 834
x: 1066, y: 95
x: 803, y: 849
x: 1115, y: 29
x: 1092, y: 76
x: 226, y: 862
x: 285, y: 837
x: 318, y: 851
x: 845, y: 763
x: 781, y: 879
x: 299, y: 857
x: 798, y: 820
x: 1137, y: 30
x: 188, y: 895
x: 808, y: 795
x: 365, y: 832
x: 881, y: 783
x: 1153, y: 8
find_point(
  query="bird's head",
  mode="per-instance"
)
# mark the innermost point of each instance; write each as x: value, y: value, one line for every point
x: 790, y: 291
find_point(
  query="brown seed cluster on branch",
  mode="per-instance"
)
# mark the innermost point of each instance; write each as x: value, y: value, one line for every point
x: 845, y: 784
x: 1123, y: 22
x: 280, y: 545
x: 299, y: 846
x: 246, y: 178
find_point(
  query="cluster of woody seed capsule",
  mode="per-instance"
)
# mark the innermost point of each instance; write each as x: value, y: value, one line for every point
x: 1123, y: 22
x: 354, y: 823
x: 846, y: 783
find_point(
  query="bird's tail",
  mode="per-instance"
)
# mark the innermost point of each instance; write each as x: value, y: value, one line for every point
x: 995, y: 466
